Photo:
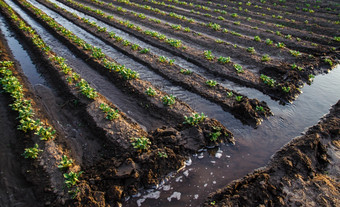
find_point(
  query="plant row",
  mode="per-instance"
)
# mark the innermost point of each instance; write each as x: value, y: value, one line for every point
x: 236, y: 16
x: 129, y: 78
x: 216, y: 29
x: 245, y: 13
x: 206, y: 60
x: 133, y: 137
x: 255, y: 41
x: 30, y: 123
x: 162, y: 65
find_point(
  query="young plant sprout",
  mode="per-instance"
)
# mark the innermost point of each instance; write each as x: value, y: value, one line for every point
x: 151, y: 92
x: 238, y: 98
x: 211, y: 83
x: 65, y: 163
x: 140, y: 143
x: 230, y: 94
x: 32, y: 152
x: 223, y: 60
x: 72, y: 178
x: 194, y: 119
x: 168, y: 100
x: 185, y: 71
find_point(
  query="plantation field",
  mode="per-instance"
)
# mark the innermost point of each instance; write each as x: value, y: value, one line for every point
x: 163, y: 103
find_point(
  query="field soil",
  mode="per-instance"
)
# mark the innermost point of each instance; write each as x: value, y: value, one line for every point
x: 113, y: 169
x: 303, y: 173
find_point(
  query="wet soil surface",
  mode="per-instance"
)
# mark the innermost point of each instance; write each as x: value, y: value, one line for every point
x: 305, y: 172
x: 113, y: 170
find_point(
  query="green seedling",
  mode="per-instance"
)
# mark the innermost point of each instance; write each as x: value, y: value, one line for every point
x: 72, y: 178
x: 328, y: 61
x: 194, y: 119
x: 269, y: 42
x: 295, y: 53
x: 238, y: 98
x: 168, y: 100
x: 162, y: 154
x: 110, y: 112
x: 151, y: 92
x: 257, y: 39
x: 32, y: 152
x: 214, y: 136
x: 65, y: 163
x: 265, y: 58
x: 185, y: 71
x: 251, y: 50
x: 144, y: 51
x: 259, y: 109
x: 211, y: 83
x: 223, y: 60
x: 267, y: 80
x: 286, y: 89
x: 140, y: 143
x: 238, y: 68
x: 280, y: 45
x: 208, y: 55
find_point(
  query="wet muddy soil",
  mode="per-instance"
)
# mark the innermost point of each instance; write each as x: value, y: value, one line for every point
x: 127, y: 169
x: 305, y: 172
x: 114, y: 170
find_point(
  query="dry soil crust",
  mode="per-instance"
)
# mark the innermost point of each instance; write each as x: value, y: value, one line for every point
x: 303, y: 173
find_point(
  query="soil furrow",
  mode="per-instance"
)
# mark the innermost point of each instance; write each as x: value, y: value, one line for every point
x: 244, y: 41
x: 304, y: 172
x: 295, y: 14
x: 244, y: 29
x: 192, y: 82
x: 124, y: 102
x: 12, y: 146
x: 286, y: 23
x: 291, y: 8
x: 216, y: 67
x: 254, y: 21
x: 144, y: 172
x: 137, y: 87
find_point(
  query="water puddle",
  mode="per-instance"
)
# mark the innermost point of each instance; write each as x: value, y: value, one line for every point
x: 209, y: 170
x: 195, y: 101
x: 213, y: 169
x: 21, y: 55
x: 180, y: 61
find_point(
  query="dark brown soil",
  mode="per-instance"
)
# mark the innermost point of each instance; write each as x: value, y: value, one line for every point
x: 303, y: 173
x: 114, y: 169
x: 245, y: 109
x: 280, y: 70
x: 117, y: 169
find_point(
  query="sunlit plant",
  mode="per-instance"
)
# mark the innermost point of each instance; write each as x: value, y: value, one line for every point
x: 194, y: 119
x: 211, y: 83
x: 140, y: 143
x: 32, y: 152
x: 168, y: 100
x: 72, y: 178
x: 151, y: 92
x: 65, y: 163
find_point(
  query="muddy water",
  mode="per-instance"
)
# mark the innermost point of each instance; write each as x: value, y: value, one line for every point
x: 188, y: 42
x: 125, y: 103
x: 179, y: 61
x: 253, y: 149
x: 194, y: 100
x: 14, y: 190
x: 21, y: 55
